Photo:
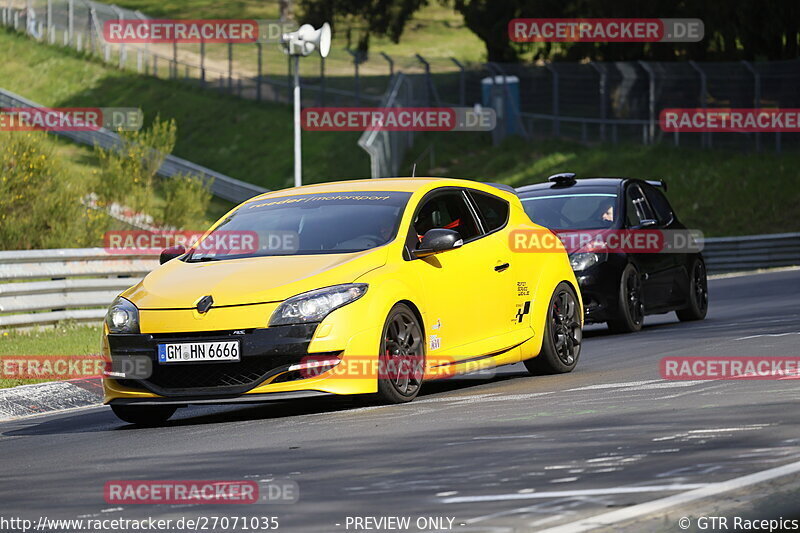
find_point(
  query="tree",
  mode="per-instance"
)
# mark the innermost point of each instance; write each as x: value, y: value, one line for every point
x: 366, y: 17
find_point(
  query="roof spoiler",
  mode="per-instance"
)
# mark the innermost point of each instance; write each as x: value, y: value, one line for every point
x: 658, y: 183
x: 564, y: 178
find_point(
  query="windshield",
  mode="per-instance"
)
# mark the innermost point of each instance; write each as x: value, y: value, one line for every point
x: 572, y: 211
x: 304, y: 224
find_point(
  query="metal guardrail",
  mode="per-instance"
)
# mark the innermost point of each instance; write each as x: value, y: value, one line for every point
x: 41, y: 287
x: 223, y: 186
x: 751, y: 252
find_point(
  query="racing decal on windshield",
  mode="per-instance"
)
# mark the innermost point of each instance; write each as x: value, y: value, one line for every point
x: 309, y: 198
x: 522, y: 310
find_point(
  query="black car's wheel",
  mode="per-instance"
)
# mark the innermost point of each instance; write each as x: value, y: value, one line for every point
x: 697, y: 298
x: 563, y: 333
x: 402, y: 357
x: 144, y: 415
x: 630, y: 315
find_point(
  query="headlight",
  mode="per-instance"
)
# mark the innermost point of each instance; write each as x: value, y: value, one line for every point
x: 583, y: 260
x: 313, y: 306
x: 122, y: 317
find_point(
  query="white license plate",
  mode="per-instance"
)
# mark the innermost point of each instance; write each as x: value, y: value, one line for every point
x: 193, y: 352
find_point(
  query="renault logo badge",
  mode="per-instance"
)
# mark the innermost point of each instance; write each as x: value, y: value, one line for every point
x: 205, y: 304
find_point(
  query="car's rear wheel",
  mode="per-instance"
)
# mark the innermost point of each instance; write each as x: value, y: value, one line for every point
x: 630, y: 314
x: 563, y: 334
x: 144, y: 415
x: 698, y: 294
x: 402, y: 357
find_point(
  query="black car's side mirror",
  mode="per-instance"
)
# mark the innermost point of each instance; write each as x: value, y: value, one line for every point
x: 436, y: 241
x: 171, y: 253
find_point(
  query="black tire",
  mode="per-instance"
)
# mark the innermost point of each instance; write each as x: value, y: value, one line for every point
x: 630, y: 314
x: 144, y: 415
x: 698, y: 294
x: 402, y: 357
x: 563, y: 334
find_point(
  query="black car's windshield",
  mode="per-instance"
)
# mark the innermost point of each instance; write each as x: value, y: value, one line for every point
x: 303, y: 224
x: 574, y: 211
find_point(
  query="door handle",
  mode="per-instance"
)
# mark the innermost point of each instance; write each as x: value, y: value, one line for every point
x: 500, y: 268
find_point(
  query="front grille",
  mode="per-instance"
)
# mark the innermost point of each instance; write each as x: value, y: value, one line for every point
x: 264, y: 353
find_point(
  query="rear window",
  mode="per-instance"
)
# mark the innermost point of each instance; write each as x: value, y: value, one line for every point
x: 493, y: 210
x: 572, y: 211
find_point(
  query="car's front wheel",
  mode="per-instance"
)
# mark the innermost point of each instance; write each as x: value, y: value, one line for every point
x: 401, y: 358
x: 697, y: 298
x: 144, y: 415
x: 563, y: 333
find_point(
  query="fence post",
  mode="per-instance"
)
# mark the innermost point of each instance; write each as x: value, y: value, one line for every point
x: 556, y: 120
x: 174, y: 70
x: 49, y: 15
x: 462, y: 82
x: 603, y: 90
x: 203, y: 62
x: 756, y: 95
x: 705, y: 137
x: 123, y: 57
x: 391, y: 65
x: 652, y: 98
x: 230, y: 67
x: 358, y: 79
x: 260, y: 50
x: 70, y: 19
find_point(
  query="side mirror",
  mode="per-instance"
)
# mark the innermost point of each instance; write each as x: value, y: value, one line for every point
x: 171, y: 253
x: 438, y: 240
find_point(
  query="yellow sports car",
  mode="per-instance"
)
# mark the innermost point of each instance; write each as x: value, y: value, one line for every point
x: 358, y: 287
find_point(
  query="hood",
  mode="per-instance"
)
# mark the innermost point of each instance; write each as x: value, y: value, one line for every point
x: 179, y: 285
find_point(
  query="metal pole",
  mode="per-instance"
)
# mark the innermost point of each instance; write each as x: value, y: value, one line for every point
x: 603, y: 100
x: 756, y: 96
x: 705, y: 138
x: 49, y: 15
x: 298, y: 164
x: 322, y: 81
x: 556, y: 120
x: 259, y: 46
x: 174, y: 73
x: 230, y: 67
x: 391, y: 64
x: 652, y: 108
x: 71, y: 20
x: 462, y: 82
x: 357, y: 77
x: 428, y: 82
x: 203, y: 62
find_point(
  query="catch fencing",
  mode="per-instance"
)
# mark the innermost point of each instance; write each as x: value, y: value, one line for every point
x: 41, y: 287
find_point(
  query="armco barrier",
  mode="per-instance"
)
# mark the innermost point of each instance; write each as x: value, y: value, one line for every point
x: 223, y: 186
x: 40, y: 287
x: 750, y: 252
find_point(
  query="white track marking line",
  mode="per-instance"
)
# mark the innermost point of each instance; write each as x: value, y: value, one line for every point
x: 767, y: 335
x: 571, y: 493
x: 643, y: 509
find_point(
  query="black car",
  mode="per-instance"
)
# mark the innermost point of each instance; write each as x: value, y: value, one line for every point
x: 620, y: 286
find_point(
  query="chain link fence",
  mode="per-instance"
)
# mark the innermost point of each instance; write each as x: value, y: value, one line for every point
x: 588, y: 102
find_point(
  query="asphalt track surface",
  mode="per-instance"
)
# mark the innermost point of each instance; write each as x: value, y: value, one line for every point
x: 511, y: 453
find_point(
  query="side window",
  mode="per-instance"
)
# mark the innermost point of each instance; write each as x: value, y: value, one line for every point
x: 447, y: 210
x: 493, y: 210
x: 636, y: 206
x: 660, y: 204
